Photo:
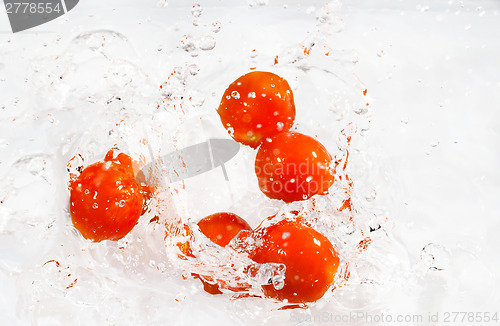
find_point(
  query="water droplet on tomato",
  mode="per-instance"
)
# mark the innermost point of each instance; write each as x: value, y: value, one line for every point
x: 95, y: 206
x: 278, y: 282
x: 235, y: 94
x: 121, y: 203
x: 251, y: 95
x: 107, y: 165
x: 280, y: 126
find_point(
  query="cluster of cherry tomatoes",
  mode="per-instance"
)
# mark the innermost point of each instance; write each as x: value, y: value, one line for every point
x: 258, y: 110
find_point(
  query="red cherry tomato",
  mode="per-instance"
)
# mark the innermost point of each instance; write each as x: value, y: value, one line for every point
x: 106, y: 200
x: 220, y: 228
x: 311, y: 261
x: 255, y: 106
x: 292, y: 166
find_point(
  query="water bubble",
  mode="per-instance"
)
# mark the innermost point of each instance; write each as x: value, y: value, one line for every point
x: 206, y: 43
x: 193, y: 69
x: 371, y: 195
x: 216, y: 27
x: 121, y: 203
x: 280, y: 126
x: 235, y: 94
x: 196, y: 98
x: 196, y: 10
x: 254, y: 3
x: 435, y: 257
x: 109, y: 43
x: 362, y: 109
x: 188, y: 44
x: 254, y: 53
x: 87, y: 191
x: 162, y: 3
x: 95, y: 206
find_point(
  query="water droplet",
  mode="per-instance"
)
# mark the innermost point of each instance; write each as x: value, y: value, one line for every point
x: 230, y: 131
x: 280, y: 126
x: 121, y: 203
x: 435, y: 257
x: 193, y: 69
x: 371, y: 195
x: 95, y: 206
x: 285, y: 235
x: 251, y: 95
x: 188, y: 44
x: 162, y: 3
x: 278, y: 282
x: 309, y: 178
x: 87, y: 191
x: 259, y: 126
x: 107, y: 165
x: 216, y: 27
x: 235, y: 94
x: 207, y: 43
x: 253, y: 3
x: 272, y: 85
x: 196, y: 10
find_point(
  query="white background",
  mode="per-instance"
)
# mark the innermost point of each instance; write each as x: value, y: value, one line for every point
x: 432, y: 72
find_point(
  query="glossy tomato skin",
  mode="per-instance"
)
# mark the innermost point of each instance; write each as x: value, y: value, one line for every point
x: 293, y: 166
x: 220, y: 228
x: 255, y: 106
x: 106, y: 200
x: 311, y: 261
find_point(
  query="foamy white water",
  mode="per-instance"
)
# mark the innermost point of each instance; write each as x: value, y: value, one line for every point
x: 423, y: 154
